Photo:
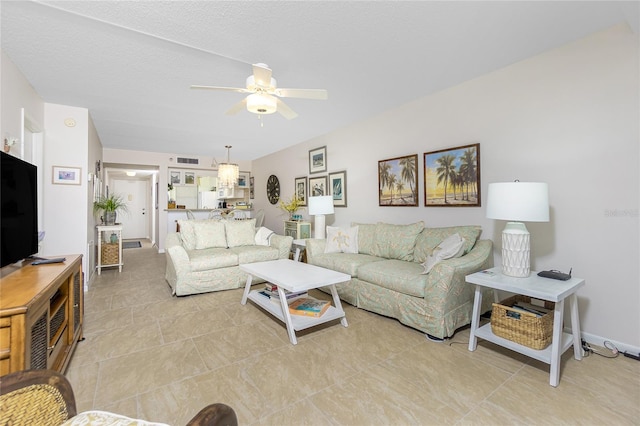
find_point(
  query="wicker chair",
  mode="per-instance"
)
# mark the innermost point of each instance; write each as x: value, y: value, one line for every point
x: 45, y: 397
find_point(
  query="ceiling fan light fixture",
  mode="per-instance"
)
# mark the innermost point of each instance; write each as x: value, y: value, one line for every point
x: 262, y: 103
x: 228, y: 172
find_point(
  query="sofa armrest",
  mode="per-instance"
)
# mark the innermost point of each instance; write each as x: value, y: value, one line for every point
x: 446, y: 280
x: 176, y: 253
x: 314, y: 247
x: 282, y: 243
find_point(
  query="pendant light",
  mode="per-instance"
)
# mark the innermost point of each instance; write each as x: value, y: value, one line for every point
x: 228, y: 173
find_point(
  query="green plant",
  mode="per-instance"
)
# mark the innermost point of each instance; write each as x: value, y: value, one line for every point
x: 112, y: 203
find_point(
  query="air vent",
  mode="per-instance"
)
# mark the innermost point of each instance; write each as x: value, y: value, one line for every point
x: 187, y: 160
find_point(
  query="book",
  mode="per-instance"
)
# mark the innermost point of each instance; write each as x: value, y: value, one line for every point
x: 308, y: 306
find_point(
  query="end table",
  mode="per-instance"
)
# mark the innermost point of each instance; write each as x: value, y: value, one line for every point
x: 539, y: 288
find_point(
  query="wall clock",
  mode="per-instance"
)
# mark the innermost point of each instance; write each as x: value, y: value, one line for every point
x: 273, y: 189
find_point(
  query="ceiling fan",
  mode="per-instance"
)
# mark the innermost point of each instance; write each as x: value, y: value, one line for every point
x: 264, y: 94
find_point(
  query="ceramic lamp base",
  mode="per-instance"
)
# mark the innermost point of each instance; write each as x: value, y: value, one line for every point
x: 516, y: 252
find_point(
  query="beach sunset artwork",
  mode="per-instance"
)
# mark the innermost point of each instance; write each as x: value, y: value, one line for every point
x: 452, y: 177
x: 398, y: 181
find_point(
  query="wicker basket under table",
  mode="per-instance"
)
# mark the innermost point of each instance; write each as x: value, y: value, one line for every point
x: 110, y: 252
x: 522, y: 327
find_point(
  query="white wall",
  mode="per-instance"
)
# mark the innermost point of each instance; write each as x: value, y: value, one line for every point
x: 568, y: 117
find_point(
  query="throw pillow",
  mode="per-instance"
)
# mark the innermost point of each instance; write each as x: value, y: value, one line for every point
x: 209, y: 234
x: 396, y: 241
x: 263, y: 236
x: 187, y: 235
x: 241, y: 232
x: 342, y: 240
x: 452, y: 246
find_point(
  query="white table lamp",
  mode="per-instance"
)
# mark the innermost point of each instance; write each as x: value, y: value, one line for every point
x: 319, y: 207
x: 517, y: 202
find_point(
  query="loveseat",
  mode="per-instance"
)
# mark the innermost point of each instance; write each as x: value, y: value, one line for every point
x: 205, y: 255
x: 387, y: 267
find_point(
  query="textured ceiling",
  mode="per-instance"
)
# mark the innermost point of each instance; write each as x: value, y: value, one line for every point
x: 131, y: 62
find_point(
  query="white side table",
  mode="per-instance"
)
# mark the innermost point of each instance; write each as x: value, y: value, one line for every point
x: 540, y: 288
x: 107, y: 230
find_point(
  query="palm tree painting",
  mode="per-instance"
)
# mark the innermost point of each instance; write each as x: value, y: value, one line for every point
x: 398, y: 181
x: 452, y: 177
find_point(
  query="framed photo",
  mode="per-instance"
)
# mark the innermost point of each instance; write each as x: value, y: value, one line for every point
x: 317, y: 186
x: 318, y: 160
x: 300, y: 185
x: 452, y: 177
x: 398, y: 181
x: 66, y: 175
x: 175, y: 177
x: 338, y: 188
x: 189, y: 178
x: 243, y: 179
x: 251, y: 186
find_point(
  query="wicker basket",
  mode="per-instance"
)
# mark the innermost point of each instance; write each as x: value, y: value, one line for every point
x: 522, y: 327
x: 110, y: 254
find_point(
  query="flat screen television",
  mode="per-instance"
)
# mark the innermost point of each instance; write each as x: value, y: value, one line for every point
x: 19, y: 209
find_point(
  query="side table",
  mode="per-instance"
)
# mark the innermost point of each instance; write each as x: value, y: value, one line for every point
x: 540, y: 288
x: 107, y: 230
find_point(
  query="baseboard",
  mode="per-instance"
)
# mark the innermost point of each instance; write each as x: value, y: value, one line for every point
x: 599, y: 341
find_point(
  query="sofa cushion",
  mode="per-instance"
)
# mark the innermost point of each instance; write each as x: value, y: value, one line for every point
x: 366, y: 237
x: 251, y: 254
x: 341, y: 240
x: 396, y: 241
x: 241, y: 232
x: 347, y: 263
x: 211, y: 258
x: 397, y: 275
x: 187, y: 234
x: 210, y: 233
x: 452, y: 246
x: 430, y: 238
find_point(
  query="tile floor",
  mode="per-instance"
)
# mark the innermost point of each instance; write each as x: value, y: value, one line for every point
x: 153, y: 356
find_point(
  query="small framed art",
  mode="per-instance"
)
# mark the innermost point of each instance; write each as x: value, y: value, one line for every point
x: 338, y: 188
x: 452, y: 177
x: 300, y: 185
x: 317, y: 186
x: 189, y: 178
x: 243, y: 179
x: 318, y: 160
x: 175, y: 177
x: 66, y: 175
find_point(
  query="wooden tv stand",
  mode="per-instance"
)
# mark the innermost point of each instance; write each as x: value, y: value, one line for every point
x: 41, y: 315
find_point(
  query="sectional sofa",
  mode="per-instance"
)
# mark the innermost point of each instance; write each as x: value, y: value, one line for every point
x: 386, y: 263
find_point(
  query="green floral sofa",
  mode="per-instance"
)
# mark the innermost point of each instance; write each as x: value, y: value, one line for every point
x: 205, y: 255
x: 388, y: 274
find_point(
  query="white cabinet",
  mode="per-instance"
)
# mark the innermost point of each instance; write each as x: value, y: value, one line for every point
x: 226, y: 193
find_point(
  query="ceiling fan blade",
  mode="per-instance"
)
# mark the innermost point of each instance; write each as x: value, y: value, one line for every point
x: 227, y: 89
x: 237, y: 107
x: 286, y: 112
x: 319, y: 94
x: 262, y: 75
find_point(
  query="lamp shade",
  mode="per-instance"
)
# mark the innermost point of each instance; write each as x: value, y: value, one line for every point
x: 321, y: 205
x: 260, y: 103
x: 518, y: 201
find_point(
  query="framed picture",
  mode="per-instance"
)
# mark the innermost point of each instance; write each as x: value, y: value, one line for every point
x: 398, y: 181
x: 318, y: 160
x: 251, y: 186
x: 189, y: 178
x: 317, y: 186
x: 243, y: 179
x: 175, y: 177
x: 452, y: 177
x: 66, y: 175
x: 338, y: 188
x: 300, y: 185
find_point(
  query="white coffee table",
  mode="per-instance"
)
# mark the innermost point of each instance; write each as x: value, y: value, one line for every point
x: 294, y: 276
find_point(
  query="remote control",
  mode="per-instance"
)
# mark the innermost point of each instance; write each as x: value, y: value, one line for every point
x: 46, y: 261
x: 556, y: 275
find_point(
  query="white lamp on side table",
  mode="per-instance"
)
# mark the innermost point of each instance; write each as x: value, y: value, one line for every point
x: 319, y: 207
x: 517, y: 202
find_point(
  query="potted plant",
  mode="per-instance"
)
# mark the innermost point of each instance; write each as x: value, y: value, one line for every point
x: 110, y: 205
x: 291, y: 206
